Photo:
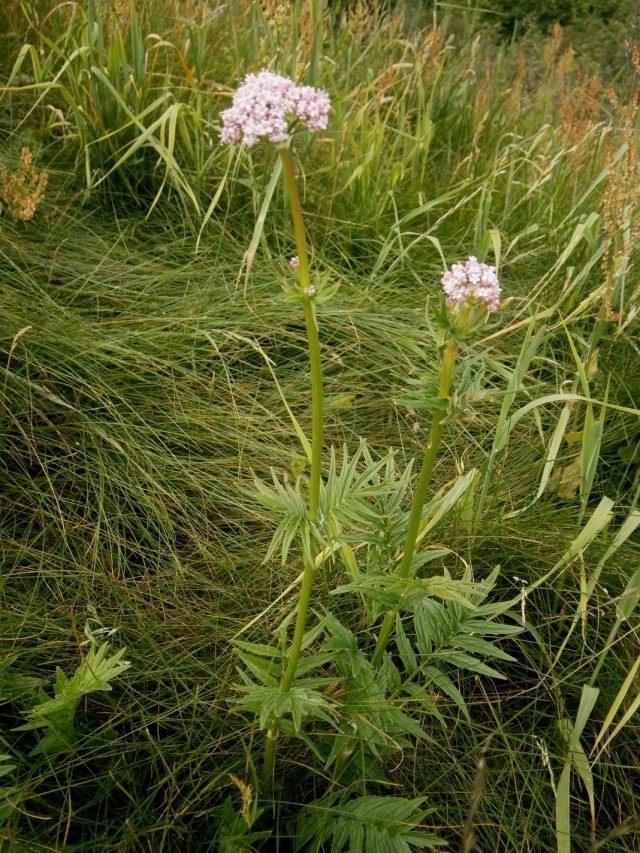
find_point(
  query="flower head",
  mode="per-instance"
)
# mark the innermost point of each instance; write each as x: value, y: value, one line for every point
x: 294, y: 262
x: 266, y: 104
x: 312, y: 107
x: 472, y: 284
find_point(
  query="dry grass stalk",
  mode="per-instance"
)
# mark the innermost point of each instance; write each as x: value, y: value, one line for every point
x: 23, y: 190
x: 579, y: 107
x: 621, y: 205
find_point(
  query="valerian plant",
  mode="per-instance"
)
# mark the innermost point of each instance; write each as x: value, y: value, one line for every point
x: 354, y: 700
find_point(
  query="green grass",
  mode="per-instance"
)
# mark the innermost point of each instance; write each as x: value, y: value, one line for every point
x: 137, y: 403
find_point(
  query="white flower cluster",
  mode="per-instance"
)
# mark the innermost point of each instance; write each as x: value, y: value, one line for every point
x: 472, y: 283
x: 265, y: 105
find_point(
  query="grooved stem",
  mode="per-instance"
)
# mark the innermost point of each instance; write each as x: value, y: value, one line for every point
x: 315, y: 365
x: 312, y: 333
x: 430, y: 455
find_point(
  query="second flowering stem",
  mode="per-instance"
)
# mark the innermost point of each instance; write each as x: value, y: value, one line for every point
x: 430, y: 455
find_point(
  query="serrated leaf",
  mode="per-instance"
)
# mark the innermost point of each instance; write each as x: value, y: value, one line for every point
x: 407, y: 655
x: 287, y: 501
x: 56, y: 715
x: 309, y: 663
x: 394, y: 591
x: 436, y: 510
x: 353, y: 487
x: 441, y: 680
x: 349, y: 559
x: 490, y: 629
x: 299, y: 702
x: 424, y: 400
x: 476, y: 645
x: 263, y: 650
x: 389, y: 676
x: 267, y: 672
x: 372, y: 824
x: 461, y: 660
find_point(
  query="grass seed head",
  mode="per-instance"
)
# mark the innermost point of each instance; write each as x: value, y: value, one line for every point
x: 23, y: 190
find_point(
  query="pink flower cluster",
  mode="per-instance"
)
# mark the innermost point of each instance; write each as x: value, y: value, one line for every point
x: 472, y: 282
x: 265, y: 105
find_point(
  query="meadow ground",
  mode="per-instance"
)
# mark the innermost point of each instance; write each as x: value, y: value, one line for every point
x: 152, y: 364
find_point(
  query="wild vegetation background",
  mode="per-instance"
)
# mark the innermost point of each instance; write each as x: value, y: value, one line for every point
x: 143, y: 324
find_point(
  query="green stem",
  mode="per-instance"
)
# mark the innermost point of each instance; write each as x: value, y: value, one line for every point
x: 298, y: 634
x: 268, y: 763
x: 430, y: 454
x: 312, y: 332
x: 317, y: 418
x: 290, y: 671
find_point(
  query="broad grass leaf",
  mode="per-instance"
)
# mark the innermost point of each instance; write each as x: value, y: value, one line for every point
x: 563, y: 814
x: 629, y: 598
